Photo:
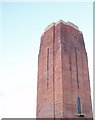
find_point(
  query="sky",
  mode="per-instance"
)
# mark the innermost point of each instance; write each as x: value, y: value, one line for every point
x: 21, y: 27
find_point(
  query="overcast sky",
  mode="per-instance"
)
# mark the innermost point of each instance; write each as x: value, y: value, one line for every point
x: 22, y: 25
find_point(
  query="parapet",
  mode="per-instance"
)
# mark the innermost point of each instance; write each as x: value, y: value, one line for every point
x: 72, y: 25
x: 68, y: 23
x: 49, y: 26
x: 61, y: 21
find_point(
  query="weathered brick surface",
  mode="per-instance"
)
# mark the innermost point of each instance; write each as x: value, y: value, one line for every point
x: 62, y: 74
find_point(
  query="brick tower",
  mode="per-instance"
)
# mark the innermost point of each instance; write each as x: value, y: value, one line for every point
x: 63, y: 89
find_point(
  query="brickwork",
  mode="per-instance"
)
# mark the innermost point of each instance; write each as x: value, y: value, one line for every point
x: 63, y: 73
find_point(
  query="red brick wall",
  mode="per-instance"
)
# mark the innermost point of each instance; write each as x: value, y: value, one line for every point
x: 62, y: 60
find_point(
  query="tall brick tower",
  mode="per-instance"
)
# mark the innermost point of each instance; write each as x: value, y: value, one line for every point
x: 63, y: 89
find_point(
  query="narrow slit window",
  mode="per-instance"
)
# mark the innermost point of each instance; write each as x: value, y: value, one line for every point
x: 70, y: 67
x: 76, y: 68
x: 79, y: 105
x: 47, y: 67
x: 70, y: 63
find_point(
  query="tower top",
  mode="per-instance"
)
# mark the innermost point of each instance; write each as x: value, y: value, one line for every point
x: 63, y: 22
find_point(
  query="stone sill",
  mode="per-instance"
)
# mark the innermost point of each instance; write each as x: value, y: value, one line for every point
x: 81, y: 115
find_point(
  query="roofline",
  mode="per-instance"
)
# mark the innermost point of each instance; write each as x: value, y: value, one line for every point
x: 65, y: 23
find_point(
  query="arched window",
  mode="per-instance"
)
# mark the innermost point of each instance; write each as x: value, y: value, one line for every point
x: 79, y: 105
